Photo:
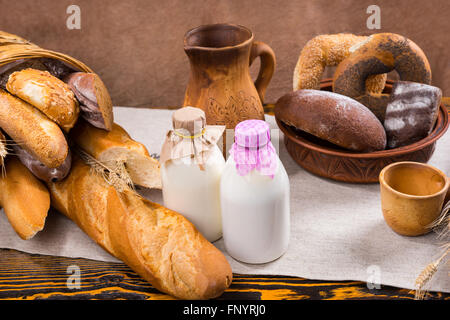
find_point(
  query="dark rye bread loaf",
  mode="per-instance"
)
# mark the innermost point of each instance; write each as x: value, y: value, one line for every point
x: 411, y: 112
x: 332, y: 117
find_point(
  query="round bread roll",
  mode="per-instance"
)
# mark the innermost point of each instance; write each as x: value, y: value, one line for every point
x: 380, y: 53
x: 333, y: 117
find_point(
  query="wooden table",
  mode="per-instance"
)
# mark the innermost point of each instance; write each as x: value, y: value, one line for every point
x: 32, y: 276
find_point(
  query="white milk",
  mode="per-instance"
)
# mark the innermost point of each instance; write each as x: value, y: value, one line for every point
x: 195, y: 193
x: 255, y: 214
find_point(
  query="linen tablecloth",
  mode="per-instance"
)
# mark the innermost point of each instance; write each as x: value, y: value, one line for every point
x: 337, y: 229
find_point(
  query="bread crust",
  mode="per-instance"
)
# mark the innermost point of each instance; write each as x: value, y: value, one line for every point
x: 95, y: 102
x: 115, y: 146
x: 24, y: 198
x: 50, y: 95
x: 38, y: 169
x: 332, y: 117
x: 328, y: 50
x: 32, y: 130
x: 380, y: 53
x: 159, y: 244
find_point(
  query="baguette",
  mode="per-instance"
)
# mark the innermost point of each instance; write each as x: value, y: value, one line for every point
x: 47, y: 93
x: 24, y: 198
x: 159, y: 244
x: 116, y: 149
x: 32, y: 130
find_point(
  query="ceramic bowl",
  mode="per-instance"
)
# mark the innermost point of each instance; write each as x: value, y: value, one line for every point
x: 330, y: 161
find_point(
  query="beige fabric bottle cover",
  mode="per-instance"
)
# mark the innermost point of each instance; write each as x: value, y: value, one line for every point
x: 190, y: 136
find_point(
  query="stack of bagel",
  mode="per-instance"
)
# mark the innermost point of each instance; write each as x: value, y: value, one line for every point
x: 359, y: 115
x: 60, y: 148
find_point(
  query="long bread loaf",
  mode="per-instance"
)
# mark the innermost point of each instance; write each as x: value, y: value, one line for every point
x: 116, y: 149
x: 24, y: 198
x: 32, y: 130
x: 47, y: 93
x: 159, y: 244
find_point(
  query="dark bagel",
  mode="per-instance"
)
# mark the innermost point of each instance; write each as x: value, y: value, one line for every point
x: 380, y: 53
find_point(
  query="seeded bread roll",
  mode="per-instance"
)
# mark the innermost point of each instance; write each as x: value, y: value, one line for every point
x: 332, y: 117
x: 47, y: 93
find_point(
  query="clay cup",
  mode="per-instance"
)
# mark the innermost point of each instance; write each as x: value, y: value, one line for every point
x: 412, y: 196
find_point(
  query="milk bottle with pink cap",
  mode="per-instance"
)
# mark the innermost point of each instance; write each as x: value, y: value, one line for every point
x: 254, y: 196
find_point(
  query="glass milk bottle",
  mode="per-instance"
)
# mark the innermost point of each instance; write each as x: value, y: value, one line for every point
x: 191, y: 167
x: 254, y: 193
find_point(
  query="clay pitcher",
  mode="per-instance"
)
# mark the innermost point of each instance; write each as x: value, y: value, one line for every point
x: 219, y: 83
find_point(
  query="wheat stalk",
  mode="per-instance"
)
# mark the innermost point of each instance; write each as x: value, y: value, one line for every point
x: 428, y: 273
x: 114, y: 172
x: 442, y: 226
x: 3, y: 153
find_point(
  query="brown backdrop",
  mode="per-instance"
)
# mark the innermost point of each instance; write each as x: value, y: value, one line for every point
x: 137, y: 46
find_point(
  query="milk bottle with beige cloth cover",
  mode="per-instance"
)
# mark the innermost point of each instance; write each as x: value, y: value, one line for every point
x: 191, y: 168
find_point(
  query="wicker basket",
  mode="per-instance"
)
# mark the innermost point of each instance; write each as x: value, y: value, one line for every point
x: 14, y: 48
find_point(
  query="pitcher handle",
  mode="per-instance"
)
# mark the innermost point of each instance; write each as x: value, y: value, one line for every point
x: 268, y: 62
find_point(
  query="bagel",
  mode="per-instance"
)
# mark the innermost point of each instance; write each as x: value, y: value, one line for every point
x: 380, y: 53
x: 328, y: 50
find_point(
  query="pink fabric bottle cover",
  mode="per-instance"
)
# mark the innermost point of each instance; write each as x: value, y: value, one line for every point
x: 252, y: 148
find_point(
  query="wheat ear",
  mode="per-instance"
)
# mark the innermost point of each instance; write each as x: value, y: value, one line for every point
x: 114, y: 173
x: 428, y: 273
x: 3, y: 153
